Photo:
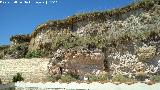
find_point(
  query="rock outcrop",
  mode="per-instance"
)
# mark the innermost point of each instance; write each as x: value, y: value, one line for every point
x: 78, y: 62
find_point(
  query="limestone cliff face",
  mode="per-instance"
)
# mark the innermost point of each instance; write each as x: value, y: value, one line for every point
x: 130, y: 38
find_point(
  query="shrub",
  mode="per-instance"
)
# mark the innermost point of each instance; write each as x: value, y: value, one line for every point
x: 67, y: 78
x: 93, y: 78
x: 35, y: 54
x: 66, y: 41
x: 1, y: 56
x: 156, y: 78
x: 52, y: 78
x: 21, y: 38
x: 103, y: 77
x: 17, y: 51
x: 17, y: 77
x: 121, y: 78
x: 0, y: 81
x: 98, y: 78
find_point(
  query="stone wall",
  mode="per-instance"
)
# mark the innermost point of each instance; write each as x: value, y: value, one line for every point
x: 33, y: 70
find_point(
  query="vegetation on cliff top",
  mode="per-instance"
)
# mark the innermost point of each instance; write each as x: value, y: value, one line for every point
x: 21, y: 38
x: 101, y: 16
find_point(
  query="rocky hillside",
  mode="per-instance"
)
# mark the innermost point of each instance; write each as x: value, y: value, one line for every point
x: 121, y: 43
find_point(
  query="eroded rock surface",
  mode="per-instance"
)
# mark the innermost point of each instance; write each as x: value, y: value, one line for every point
x: 79, y: 62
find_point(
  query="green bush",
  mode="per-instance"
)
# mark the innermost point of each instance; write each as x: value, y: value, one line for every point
x: 66, y: 41
x: 121, y: 78
x: 93, y: 78
x: 98, y: 78
x: 67, y: 78
x: 103, y: 77
x: 52, y: 78
x: 17, y: 77
x: 0, y: 81
x: 156, y: 78
x: 35, y: 54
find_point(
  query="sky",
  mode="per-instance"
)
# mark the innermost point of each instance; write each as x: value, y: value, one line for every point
x: 22, y: 17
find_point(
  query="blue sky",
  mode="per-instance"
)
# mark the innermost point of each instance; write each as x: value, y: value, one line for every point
x: 23, y: 18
